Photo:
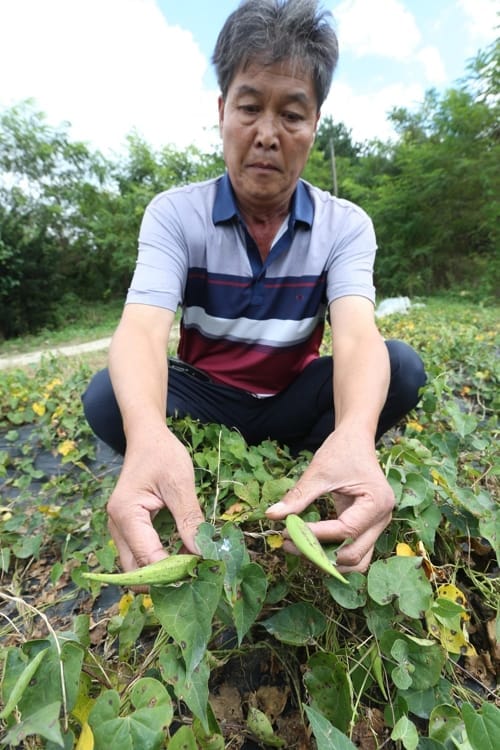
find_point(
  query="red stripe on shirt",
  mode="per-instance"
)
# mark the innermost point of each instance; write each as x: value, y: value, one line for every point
x: 257, y: 369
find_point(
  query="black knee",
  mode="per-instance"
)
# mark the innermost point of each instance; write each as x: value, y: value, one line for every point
x: 102, y: 411
x: 407, y: 374
x: 407, y: 378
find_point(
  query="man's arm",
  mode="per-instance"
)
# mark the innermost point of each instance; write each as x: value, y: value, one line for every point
x: 157, y: 469
x: 346, y: 464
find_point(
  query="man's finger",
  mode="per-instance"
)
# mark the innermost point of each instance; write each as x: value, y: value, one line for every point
x: 352, y: 557
x: 360, y: 567
x: 127, y: 559
x: 295, y: 500
x: 135, y: 537
x: 187, y: 526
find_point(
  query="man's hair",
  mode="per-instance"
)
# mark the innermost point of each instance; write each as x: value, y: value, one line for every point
x: 271, y: 31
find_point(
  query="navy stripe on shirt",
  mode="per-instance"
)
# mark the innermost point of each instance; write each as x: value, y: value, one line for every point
x: 231, y: 297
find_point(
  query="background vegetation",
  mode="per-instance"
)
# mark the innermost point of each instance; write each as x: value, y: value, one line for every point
x: 69, y: 218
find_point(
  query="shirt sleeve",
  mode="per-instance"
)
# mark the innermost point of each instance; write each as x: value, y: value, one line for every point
x: 350, y: 269
x: 160, y: 273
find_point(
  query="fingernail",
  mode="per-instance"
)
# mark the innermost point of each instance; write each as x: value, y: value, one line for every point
x: 280, y: 507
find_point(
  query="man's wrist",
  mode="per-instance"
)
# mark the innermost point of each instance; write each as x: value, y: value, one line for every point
x: 361, y: 429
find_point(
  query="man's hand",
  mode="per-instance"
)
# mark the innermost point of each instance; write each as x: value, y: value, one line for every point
x: 348, y: 468
x: 157, y: 473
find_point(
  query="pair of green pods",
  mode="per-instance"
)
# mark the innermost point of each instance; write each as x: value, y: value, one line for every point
x: 177, y: 567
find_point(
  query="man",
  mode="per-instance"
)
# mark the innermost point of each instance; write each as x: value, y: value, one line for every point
x: 256, y: 258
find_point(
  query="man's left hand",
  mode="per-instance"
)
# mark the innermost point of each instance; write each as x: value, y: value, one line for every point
x: 347, y: 467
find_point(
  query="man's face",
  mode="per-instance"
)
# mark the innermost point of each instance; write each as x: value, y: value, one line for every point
x: 267, y: 122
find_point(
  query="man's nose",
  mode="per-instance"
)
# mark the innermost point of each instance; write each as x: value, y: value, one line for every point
x: 267, y: 131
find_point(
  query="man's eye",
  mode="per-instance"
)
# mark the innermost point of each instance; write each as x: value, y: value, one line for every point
x: 248, y: 109
x: 292, y: 117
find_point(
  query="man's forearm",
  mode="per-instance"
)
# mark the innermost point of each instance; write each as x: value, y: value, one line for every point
x: 138, y: 370
x: 361, y: 382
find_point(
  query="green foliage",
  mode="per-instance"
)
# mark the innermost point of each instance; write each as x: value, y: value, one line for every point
x: 142, y: 728
x: 376, y: 648
x: 69, y: 218
x: 46, y: 182
x: 432, y: 193
x: 437, y: 213
x: 326, y: 735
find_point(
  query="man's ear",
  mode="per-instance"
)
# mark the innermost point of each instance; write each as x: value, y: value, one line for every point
x: 316, y: 125
x: 220, y: 103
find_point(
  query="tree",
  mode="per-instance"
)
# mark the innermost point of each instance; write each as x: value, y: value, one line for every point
x: 137, y: 178
x: 437, y: 214
x: 46, y: 180
x: 70, y: 218
x: 332, y: 156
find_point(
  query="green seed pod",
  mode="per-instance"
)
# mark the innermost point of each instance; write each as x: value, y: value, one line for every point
x: 168, y: 570
x: 305, y: 541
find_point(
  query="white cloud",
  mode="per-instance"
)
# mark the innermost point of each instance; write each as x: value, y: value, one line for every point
x: 107, y: 66
x: 385, y: 28
x: 433, y: 65
x: 110, y: 66
x: 483, y: 17
x: 366, y: 114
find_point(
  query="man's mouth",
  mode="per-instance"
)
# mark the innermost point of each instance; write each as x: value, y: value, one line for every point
x: 266, y: 166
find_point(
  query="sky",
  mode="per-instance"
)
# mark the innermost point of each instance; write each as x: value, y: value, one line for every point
x: 112, y: 67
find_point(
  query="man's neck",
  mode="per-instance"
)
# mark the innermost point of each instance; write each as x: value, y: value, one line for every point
x: 265, y: 216
x: 264, y: 228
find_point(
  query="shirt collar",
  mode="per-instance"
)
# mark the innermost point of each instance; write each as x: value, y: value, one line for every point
x: 225, y: 207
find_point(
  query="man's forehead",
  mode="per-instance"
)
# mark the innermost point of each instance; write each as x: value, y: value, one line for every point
x: 245, y: 89
x: 257, y: 79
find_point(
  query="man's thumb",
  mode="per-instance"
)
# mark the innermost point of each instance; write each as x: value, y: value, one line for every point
x: 294, y: 501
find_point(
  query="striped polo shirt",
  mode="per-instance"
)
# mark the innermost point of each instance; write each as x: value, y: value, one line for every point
x: 248, y: 323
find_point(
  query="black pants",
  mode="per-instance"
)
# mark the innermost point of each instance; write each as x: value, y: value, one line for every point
x: 300, y: 417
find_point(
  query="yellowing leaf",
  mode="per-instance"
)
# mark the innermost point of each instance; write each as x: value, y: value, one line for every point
x: 453, y: 593
x: 427, y: 566
x: 51, y: 511
x: 235, y: 512
x: 38, y: 408
x: 86, y: 739
x: 5, y: 514
x: 438, y: 478
x: 50, y: 386
x: 454, y: 639
x: 416, y: 426
x: 124, y: 604
x: 404, y: 550
x: 66, y: 447
x: 275, y: 541
x: 147, y: 602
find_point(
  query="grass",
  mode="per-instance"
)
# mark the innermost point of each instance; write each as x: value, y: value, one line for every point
x: 88, y: 322
x: 409, y: 649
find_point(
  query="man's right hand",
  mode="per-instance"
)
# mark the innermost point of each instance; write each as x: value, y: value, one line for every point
x: 157, y: 473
